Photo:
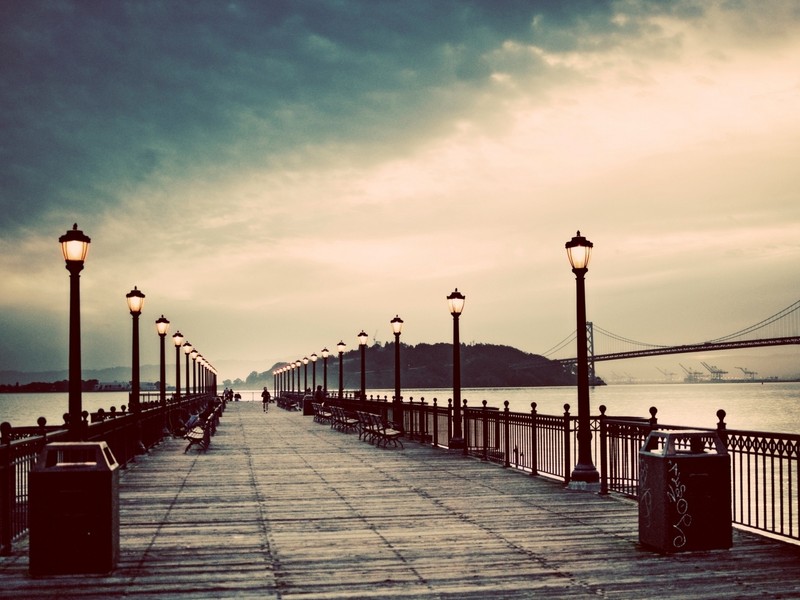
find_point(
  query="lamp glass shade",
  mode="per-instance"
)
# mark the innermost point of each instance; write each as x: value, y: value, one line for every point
x: 305, y: 360
x: 362, y: 338
x: 177, y: 339
x: 397, y: 324
x: 325, y: 353
x: 455, y: 302
x: 135, y: 300
x: 193, y: 354
x: 313, y: 358
x: 74, y: 245
x: 341, y: 346
x: 579, y: 250
x: 162, y: 325
x: 187, y: 348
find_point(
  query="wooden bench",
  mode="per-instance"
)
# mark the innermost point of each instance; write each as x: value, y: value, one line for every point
x: 321, y: 414
x: 374, y: 429
x: 343, y: 421
x: 200, y: 433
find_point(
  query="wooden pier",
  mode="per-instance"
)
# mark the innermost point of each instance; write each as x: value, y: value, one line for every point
x: 283, y: 507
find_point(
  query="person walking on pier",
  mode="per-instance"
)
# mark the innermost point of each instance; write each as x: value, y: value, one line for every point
x: 265, y: 399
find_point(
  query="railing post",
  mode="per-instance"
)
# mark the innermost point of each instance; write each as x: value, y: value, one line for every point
x: 411, y: 417
x: 423, y: 420
x: 603, y: 452
x: 449, y: 421
x: 465, y: 427
x: 7, y: 491
x: 722, y: 428
x: 567, y: 445
x: 653, y: 421
x: 435, y: 423
x: 506, y: 443
x: 485, y: 423
x: 534, y: 442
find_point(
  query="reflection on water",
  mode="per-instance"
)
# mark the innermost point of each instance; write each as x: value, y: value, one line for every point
x: 750, y: 406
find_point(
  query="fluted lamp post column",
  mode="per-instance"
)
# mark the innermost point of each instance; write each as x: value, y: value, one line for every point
x: 340, y: 347
x: 455, y: 302
x: 162, y: 327
x: 362, y: 345
x: 177, y: 340
x: 313, y: 359
x: 135, y: 299
x: 187, y: 350
x: 74, y: 247
x: 325, y: 355
x: 397, y: 402
x: 193, y: 355
x: 579, y: 250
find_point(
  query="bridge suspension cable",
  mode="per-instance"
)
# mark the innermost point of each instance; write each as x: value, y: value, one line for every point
x: 766, y: 322
x: 625, y: 340
x: 561, y: 345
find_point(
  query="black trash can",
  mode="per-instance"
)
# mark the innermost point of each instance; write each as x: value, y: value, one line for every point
x: 74, y: 509
x: 684, y: 492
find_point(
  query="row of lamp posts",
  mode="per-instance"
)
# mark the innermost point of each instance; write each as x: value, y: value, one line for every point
x: 579, y: 251
x: 74, y: 247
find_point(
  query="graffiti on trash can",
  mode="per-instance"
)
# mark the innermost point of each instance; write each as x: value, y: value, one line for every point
x: 645, y: 496
x: 676, y: 493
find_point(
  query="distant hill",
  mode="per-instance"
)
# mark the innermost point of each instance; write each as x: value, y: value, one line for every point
x: 431, y: 365
x: 122, y: 374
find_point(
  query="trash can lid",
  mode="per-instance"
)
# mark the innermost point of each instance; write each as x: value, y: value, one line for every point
x: 76, y: 456
x: 684, y: 442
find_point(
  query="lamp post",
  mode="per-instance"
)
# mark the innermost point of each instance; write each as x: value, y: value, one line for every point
x: 162, y: 327
x: 177, y: 339
x: 187, y: 350
x: 455, y: 302
x: 74, y: 247
x: 397, y: 327
x: 362, y: 344
x: 135, y: 300
x: 193, y: 355
x: 325, y: 354
x: 579, y: 250
x: 313, y: 359
x: 305, y: 374
x: 340, y: 347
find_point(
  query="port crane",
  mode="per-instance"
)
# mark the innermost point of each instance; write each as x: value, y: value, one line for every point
x: 716, y: 374
x: 668, y: 374
x: 692, y: 376
x: 751, y: 375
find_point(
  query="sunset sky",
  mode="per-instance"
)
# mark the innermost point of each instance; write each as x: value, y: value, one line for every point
x: 278, y: 175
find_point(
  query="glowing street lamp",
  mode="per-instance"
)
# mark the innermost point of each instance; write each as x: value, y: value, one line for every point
x: 579, y: 250
x: 325, y: 355
x: 362, y: 344
x: 305, y: 374
x: 397, y: 328
x: 313, y: 359
x: 162, y: 327
x: 187, y: 350
x: 135, y: 299
x: 74, y: 247
x: 455, y: 302
x: 193, y: 355
x: 177, y: 339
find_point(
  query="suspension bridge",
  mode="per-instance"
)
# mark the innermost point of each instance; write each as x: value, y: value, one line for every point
x: 780, y: 329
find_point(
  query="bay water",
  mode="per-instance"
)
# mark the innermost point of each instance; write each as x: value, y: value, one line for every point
x: 768, y: 407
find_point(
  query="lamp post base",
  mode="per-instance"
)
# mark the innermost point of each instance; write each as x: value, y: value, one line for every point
x: 456, y: 443
x: 584, y: 486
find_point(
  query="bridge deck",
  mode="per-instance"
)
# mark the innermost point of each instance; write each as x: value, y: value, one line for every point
x: 282, y: 507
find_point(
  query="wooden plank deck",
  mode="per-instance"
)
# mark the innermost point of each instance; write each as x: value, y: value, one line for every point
x: 282, y: 507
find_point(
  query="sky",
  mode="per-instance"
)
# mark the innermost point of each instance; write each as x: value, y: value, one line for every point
x: 277, y: 176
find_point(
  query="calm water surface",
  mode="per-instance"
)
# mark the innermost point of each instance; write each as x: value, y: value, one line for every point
x: 752, y: 406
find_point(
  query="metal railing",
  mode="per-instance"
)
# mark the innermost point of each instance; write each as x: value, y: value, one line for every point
x: 765, y: 467
x: 122, y: 431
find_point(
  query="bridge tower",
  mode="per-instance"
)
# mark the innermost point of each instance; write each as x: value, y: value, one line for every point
x: 590, y: 350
